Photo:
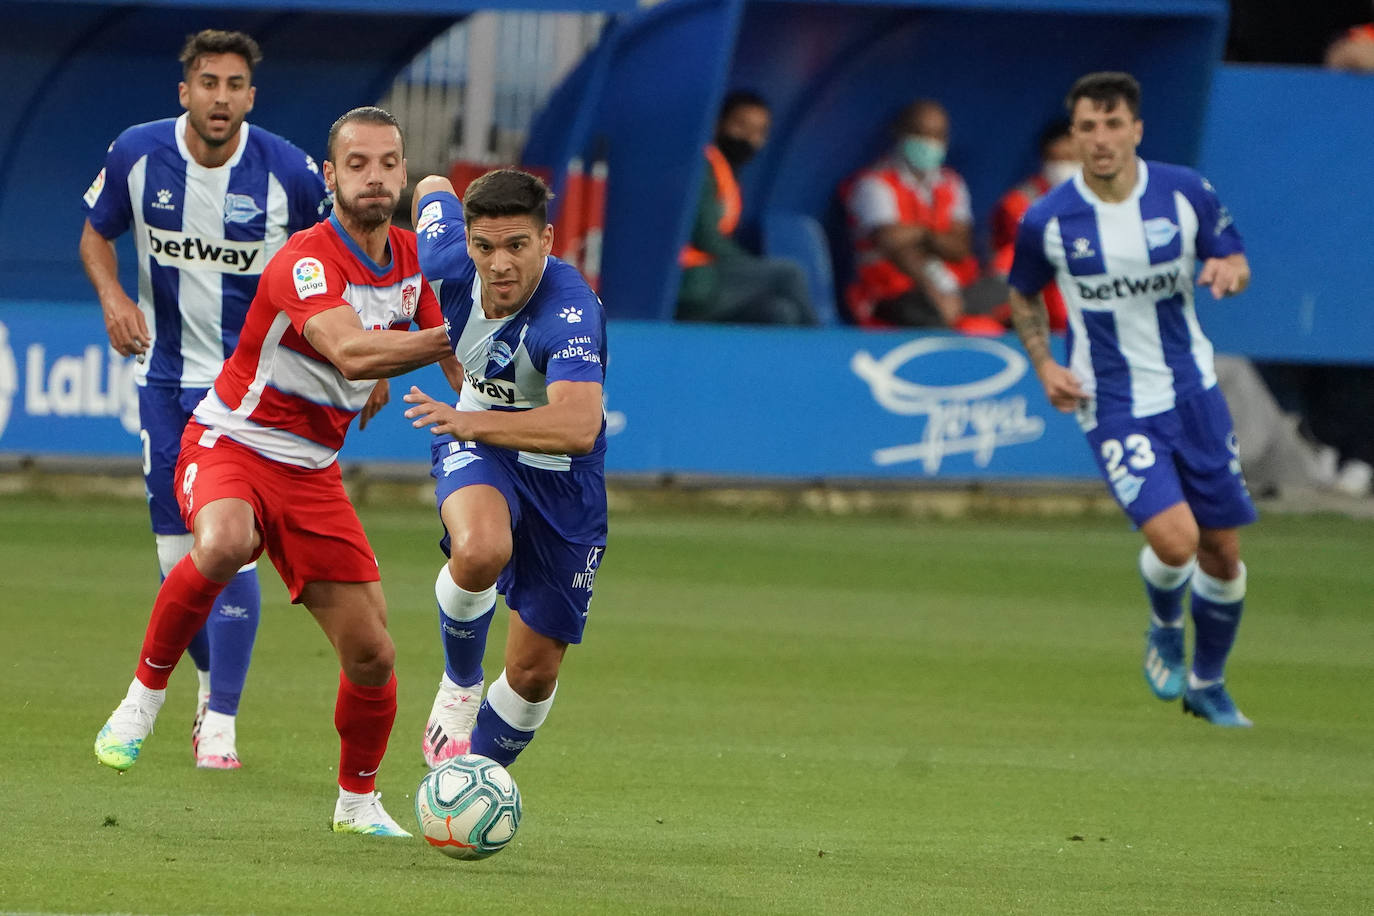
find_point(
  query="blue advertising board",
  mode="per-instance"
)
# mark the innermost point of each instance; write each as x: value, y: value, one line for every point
x: 776, y: 403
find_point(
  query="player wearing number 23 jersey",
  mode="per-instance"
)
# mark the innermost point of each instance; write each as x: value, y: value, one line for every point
x: 1124, y: 242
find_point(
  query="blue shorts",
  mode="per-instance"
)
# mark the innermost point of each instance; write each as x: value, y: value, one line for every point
x: 162, y: 416
x: 558, y: 527
x: 1188, y: 454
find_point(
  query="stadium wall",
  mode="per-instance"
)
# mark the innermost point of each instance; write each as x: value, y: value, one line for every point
x: 837, y: 405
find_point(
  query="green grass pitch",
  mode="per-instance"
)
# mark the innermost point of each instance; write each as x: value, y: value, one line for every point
x: 783, y: 714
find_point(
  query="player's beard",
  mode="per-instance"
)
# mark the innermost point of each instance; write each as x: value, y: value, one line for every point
x: 201, y: 127
x: 370, y: 215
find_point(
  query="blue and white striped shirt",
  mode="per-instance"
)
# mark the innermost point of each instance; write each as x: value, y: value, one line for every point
x: 202, y: 235
x: 1126, y: 272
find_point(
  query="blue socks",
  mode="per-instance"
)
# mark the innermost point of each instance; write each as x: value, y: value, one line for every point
x: 232, y: 629
x: 464, y: 618
x: 506, y: 722
x: 1165, y: 586
x: 1217, y: 607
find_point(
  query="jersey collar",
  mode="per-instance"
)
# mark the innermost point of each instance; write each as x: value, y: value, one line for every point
x: 362, y: 256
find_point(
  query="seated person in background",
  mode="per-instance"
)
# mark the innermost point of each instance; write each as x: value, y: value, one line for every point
x: 1353, y: 50
x: 913, y: 230
x: 1058, y: 164
x: 720, y: 280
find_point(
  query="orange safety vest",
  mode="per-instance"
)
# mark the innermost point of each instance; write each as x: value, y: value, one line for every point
x: 727, y: 192
x: 1005, y: 221
x: 878, y: 279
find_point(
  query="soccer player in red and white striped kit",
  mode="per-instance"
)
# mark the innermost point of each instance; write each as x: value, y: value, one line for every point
x: 258, y: 467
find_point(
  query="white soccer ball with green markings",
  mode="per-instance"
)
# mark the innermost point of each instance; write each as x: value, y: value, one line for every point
x: 468, y: 807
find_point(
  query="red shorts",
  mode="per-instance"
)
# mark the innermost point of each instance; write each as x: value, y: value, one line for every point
x: 308, y: 525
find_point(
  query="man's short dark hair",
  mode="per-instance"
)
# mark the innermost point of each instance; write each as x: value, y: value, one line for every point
x: 741, y: 98
x: 507, y: 192
x: 1106, y: 89
x: 1056, y: 130
x: 367, y: 114
x: 218, y: 41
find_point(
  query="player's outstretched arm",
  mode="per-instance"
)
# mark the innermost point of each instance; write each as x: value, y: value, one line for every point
x: 1033, y: 327
x: 124, y: 321
x: 338, y: 335
x: 1225, y: 276
x: 567, y: 425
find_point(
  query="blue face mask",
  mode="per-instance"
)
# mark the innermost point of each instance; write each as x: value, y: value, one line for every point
x: 922, y: 153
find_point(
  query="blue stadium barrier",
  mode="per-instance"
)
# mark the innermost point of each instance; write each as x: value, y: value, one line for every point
x: 836, y: 74
x: 1288, y: 150
x: 681, y: 399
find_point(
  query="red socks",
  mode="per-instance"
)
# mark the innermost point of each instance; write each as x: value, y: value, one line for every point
x: 183, y: 604
x: 363, y: 715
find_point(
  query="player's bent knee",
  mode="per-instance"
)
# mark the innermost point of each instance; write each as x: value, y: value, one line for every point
x: 532, y: 682
x: 219, y: 553
x: 368, y: 662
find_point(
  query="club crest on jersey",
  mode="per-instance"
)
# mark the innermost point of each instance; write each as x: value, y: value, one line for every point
x: 409, y: 295
x: 163, y: 200
x: 499, y: 354
x: 571, y: 314
x: 1082, y: 248
x: 308, y: 274
x: 1159, y: 231
x: 240, y: 208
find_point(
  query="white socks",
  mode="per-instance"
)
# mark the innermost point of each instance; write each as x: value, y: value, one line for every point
x: 459, y: 604
x: 517, y: 711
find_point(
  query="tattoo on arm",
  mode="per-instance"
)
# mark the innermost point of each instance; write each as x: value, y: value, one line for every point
x: 1032, y: 323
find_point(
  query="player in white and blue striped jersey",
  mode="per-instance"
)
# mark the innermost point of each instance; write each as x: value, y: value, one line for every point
x: 519, y: 462
x: 1122, y: 241
x: 209, y: 199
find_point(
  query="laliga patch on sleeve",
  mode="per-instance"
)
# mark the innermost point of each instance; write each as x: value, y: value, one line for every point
x: 432, y: 213
x: 93, y: 192
x: 309, y: 277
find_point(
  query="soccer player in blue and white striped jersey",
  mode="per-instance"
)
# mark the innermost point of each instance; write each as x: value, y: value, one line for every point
x: 1122, y: 241
x: 209, y: 199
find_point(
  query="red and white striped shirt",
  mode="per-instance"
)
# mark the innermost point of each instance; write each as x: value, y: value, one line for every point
x: 277, y: 394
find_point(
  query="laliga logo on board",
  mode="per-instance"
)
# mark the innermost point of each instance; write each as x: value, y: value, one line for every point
x: 966, y: 418
x: 98, y: 383
x: 9, y: 378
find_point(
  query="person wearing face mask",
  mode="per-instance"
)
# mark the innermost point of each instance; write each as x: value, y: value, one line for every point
x: 721, y: 281
x: 912, y: 226
x: 1058, y: 164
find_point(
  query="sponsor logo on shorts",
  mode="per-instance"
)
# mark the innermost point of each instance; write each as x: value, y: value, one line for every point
x: 459, y: 460
x: 1127, y: 488
x: 587, y: 577
x: 308, y: 274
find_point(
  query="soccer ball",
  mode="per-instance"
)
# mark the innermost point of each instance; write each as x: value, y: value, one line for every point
x: 468, y: 807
